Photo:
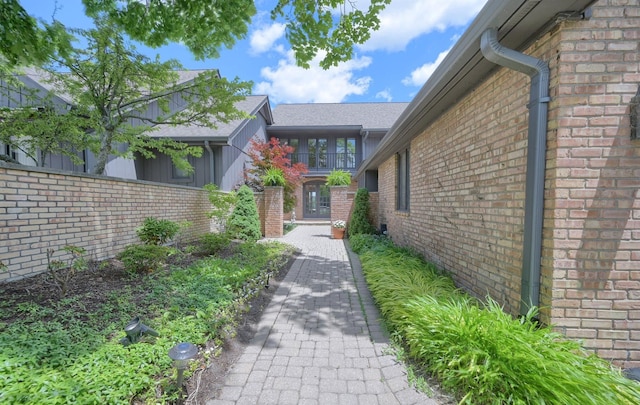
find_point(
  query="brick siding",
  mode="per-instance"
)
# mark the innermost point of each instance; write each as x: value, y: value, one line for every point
x: 44, y: 209
x: 468, y: 185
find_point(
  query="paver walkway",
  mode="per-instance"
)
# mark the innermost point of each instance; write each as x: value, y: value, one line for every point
x: 314, y: 343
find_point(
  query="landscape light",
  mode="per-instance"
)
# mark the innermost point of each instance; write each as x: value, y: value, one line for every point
x: 135, y: 330
x: 181, y: 354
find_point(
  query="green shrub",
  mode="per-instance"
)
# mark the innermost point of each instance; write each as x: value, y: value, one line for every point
x: 143, y: 258
x: 273, y: 177
x: 157, y: 231
x: 244, y: 223
x: 212, y: 243
x: 477, y: 351
x: 338, y: 178
x: 359, y: 223
x: 221, y: 205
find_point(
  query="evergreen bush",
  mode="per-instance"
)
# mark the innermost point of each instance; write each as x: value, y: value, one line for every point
x: 155, y: 231
x: 244, y: 223
x: 360, y: 219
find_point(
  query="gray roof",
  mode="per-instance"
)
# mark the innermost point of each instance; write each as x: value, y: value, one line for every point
x: 366, y: 115
x: 251, y: 105
x: 518, y: 23
x: 43, y: 79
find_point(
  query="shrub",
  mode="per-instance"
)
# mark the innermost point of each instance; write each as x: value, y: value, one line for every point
x: 213, y: 243
x: 477, y: 351
x: 62, y: 271
x: 244, y: 223
x: 274, y: 177
x: 360, y: 218
x: 338, y: 178
x: 221, y: 205
x: 157, y: 231
x: 143, y: 258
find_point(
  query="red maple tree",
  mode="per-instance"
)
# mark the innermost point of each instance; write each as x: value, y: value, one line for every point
x: 274, y: 155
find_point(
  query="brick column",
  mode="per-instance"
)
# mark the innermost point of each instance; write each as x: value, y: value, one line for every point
x: 273, y: 212
x: 340, y: 204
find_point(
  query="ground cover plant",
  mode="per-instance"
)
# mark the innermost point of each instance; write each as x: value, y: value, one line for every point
x: 66, y: 350
x: 478, y: 352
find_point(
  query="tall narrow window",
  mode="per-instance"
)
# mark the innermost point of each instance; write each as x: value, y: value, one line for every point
x: 322, y: 153
x: 402, y: 161
x: 341, y: 153
x: 312, y: 153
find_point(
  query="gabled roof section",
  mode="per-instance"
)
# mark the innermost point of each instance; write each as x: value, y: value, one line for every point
x: 252, y: 105
x: 366, y: 115
x: 519, y: 22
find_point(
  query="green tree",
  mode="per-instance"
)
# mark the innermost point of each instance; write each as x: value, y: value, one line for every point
x: 25, y: 40
x: 360, y: 223
x: 41, y: 129
x: 114, y: 86
x: 244, y: 222
x: 313, y: 26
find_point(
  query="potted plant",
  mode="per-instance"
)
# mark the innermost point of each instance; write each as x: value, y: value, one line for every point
x: 338, y: 228
x: 338, y: 178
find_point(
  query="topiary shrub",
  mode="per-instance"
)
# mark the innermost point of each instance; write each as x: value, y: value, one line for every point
x: 359, y: 223
x: 244, y: 223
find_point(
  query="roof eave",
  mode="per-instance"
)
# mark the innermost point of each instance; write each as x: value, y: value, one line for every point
x: 464, y: 67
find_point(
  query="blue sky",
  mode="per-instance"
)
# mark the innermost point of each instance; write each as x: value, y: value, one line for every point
x: 415, y: 36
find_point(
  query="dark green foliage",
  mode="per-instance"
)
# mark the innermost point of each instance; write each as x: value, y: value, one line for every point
x: 212, y: 243
x: 157, y: 231
x: 244, y: 223
x: 338, y: 178
x: 477, y: 351
x: 68, y: 351
x: 143, y: 258
x: 359, y: 223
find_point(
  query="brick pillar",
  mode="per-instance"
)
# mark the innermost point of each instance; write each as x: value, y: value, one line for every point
x: 273, y: 212
x: 340, y: 204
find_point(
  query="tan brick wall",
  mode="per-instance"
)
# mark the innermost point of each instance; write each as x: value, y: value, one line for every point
x: 468, y: 177
x: 273, y: 219
x: 44, y: 209
x: 340, y: 203
x: 591, y: 260
x: 259, y: 198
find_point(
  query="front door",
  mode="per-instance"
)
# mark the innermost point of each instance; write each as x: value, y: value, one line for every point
x: 317, y: 200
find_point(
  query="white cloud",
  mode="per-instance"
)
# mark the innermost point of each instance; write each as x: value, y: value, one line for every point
x: 403, y: 20
x: 262, y: 40
x: 385, y: 95
x: 288, y: 83
x: 420, y: 75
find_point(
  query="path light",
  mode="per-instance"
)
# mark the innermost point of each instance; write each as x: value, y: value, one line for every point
x: 135, y: 330
x: 181, y: 354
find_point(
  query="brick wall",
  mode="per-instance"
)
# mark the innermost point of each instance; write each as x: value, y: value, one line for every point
x: 273, y: 217
x: 44, y: 209
x: 592, y: 242
x: 340, y: 203
x: 468, y: 177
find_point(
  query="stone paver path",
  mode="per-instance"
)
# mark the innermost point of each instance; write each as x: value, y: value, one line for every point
x: 314, y: 343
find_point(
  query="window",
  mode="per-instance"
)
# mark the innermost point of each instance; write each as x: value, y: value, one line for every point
x: 180, y: 174
x: 317, y: 153
x: 402, y: 168
x: 293, y: 142
x: 346, y: 153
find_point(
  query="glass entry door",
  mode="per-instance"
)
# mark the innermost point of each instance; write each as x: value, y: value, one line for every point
x: 317, y: 200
